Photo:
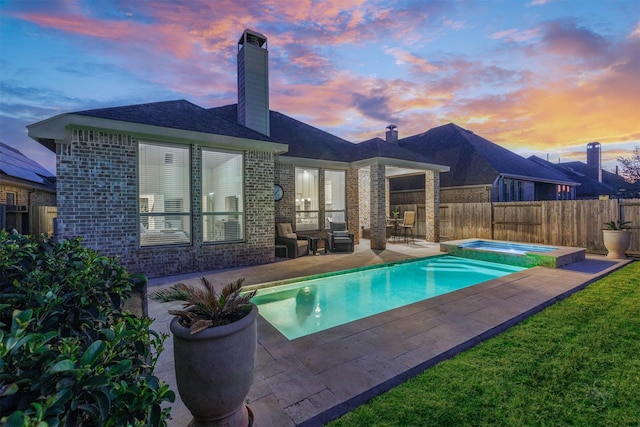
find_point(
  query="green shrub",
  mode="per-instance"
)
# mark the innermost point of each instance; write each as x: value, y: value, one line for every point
x: 69, y: 354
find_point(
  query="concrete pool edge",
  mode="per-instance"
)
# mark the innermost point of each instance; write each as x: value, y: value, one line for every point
x: 558, y: 257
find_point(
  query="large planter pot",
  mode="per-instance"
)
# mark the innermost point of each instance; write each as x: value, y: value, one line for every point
x: 617, y: 242
x: 214, y: 370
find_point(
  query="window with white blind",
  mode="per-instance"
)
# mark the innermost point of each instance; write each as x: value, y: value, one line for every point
x: 335, y: 195
x: 307, y: 203
x: 222, y: 196
x: 164, y: 194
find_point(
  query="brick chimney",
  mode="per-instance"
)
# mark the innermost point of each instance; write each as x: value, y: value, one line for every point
x: 392, y: 134
x: 253, y: 82
x: 594, y: 161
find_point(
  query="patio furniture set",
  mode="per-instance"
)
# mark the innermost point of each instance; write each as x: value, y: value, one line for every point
x: 290, y: 244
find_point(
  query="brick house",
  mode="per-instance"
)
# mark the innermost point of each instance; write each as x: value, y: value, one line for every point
x: 25, y: 186
x: 171, y: 187
x: 480, y: 171
x: 595, y: 183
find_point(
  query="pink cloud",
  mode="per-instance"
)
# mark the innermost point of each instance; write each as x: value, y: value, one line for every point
x: 418, y: 65
x: 515, y: 35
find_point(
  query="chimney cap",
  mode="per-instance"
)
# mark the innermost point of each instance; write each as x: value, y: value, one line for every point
x: 252, y: 37
x: 392, y: 127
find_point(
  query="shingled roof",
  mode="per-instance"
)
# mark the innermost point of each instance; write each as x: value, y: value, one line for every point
x: 16, y: 167
x: 474, y: 160
x: 589, y: 187
x: 177, y: 114
x: 378, y: 147
x: 304, y: 140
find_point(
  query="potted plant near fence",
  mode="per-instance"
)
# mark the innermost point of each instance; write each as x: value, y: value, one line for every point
x: 617, y: 237
x: 214, y: 338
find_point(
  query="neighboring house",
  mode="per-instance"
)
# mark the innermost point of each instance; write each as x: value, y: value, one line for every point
x: 170, y: 187
x: 595, y: 183
x: 24, y: 187
x: 480, y: 171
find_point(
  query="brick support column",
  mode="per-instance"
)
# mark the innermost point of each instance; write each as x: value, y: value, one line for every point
x: 378, y: 207
x: 353, y: 205
x: 432, y: 205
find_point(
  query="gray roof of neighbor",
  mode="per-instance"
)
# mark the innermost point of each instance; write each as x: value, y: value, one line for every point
x: 178, y: 114
x: 589, y: 186
x: 473, y: 159
x: 15, y: 166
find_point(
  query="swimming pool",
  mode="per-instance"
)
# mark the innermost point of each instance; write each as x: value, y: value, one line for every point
x: 310, y: 306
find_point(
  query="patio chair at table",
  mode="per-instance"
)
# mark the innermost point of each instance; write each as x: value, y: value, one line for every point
x: 407, y: 224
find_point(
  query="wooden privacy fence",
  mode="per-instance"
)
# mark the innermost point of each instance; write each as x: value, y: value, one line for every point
x: 41, y: 220
x: 564, y: 223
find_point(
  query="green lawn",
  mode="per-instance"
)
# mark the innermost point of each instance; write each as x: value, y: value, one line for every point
x: 576, y: 363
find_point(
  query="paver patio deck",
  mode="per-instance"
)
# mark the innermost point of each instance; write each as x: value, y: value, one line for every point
x: 311, y: 380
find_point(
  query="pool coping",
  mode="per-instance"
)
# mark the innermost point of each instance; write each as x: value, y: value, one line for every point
x: 311, y: 380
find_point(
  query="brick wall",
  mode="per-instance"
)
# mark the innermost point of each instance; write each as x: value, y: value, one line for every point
x: 98, y: 200
x: 447, y: 195
x: 23, y: 198
x: 285, y: 209
x: 364, y: 198
x: 353, y: 203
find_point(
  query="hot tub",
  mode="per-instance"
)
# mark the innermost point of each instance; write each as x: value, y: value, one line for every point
x: 514, y: 253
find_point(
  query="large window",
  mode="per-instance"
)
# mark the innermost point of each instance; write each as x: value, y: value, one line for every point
x: 164, y: 194
x: 307, y: 203
x: 334, y: 195
x: 511, y: 190
x: 222, y: 196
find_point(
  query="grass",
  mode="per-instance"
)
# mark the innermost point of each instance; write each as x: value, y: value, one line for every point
x: 575, y: 363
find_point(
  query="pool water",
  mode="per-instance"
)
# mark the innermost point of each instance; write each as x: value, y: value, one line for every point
x: 511, y: 248
x: 310, y: 306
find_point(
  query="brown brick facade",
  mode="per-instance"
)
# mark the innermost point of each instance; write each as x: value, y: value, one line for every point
x: 98, y: 200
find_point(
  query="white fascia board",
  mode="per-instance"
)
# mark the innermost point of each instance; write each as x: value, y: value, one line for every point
x: 56, y: 127
x: 399, y: 163
x: 312, y: 163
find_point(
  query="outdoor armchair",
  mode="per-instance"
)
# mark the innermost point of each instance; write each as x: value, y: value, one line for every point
x: 338, y: 238
x: 296, y: 245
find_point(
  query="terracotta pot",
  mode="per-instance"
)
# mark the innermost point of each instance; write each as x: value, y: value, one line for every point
x: 214, y: 370
x: 617, y: 242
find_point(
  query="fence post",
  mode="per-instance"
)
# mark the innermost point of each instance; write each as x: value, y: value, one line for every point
x: 491, y: 218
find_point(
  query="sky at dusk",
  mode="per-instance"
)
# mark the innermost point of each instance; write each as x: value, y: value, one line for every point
x: 541, y: 77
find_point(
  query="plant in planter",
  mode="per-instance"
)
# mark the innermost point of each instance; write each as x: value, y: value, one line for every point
x: 214, y: 336
x: 396, y: 213
x: 617, y: 238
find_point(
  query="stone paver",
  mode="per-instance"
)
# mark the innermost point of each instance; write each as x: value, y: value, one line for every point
x: 313, y: 379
